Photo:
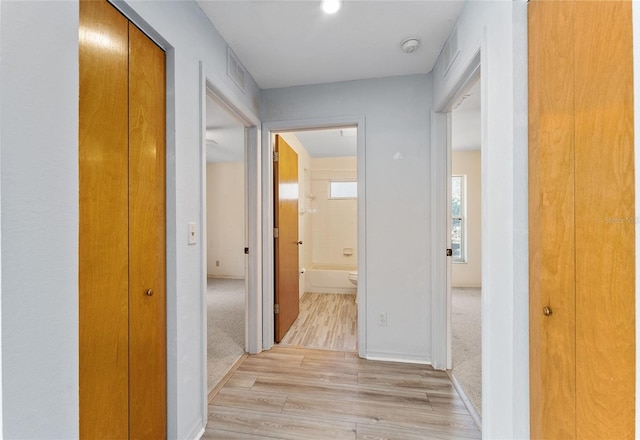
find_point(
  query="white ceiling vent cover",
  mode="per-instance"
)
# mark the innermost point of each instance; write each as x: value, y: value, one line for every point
x: 234, y: 69
x: 450, y: 50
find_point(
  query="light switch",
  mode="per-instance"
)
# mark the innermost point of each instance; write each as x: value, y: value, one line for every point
x: 192, y: 232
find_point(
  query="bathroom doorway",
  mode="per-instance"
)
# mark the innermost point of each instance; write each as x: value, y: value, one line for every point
x: 226, y: 238
x: 465, y: 263
x: 328, y: 236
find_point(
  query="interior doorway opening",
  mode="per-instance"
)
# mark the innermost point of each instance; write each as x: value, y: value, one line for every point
x: 442, y: 222
x: 326, y: 217
x: 226, y: 236
x: 465, y: 264
x: 269, y: 130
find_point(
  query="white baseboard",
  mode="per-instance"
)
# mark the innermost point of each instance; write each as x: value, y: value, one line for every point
x: 472, y: 410
x: 467, y: 286
x: 332, y: 290
x: 397, y: 357
x: 224, y: 277
x: 197, y: 432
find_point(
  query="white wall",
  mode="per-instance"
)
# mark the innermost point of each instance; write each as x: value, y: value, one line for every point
x: 40, y: 211
x: 226, y: 220
x: 39, y: 197
x: 500, y: 29
x: 397, y: 212
x: 1, y: 94
x: 334, y: 222
x: 465, y: 126
x: 469, y: 274
x: 304, y: 221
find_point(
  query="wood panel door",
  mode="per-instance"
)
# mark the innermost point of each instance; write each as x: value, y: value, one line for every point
x: 581, y: 220
x: 104, y: 224
x: 605, y: 221
x: 285, y: 207
x: 147, y: 247
x: 122, y: 331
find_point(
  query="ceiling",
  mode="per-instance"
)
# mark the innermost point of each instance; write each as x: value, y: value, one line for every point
x: 225, y: 137
x: 339, y: 142
x: 465, y: 121
x: 225, y: 134
x: 286, y: 43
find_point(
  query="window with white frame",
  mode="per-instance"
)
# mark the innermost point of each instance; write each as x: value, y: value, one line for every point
x: 343, y: 189
x: 458, y: 219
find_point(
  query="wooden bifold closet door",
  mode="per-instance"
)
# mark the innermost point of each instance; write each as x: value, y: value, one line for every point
x: 122, y: 302
x: 581, y: 220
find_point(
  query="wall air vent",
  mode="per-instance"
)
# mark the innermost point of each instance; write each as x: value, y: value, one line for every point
x: 450, y: 50
x: 234, y: 69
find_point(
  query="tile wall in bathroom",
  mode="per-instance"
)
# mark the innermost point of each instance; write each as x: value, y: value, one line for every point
x: 334, y: 222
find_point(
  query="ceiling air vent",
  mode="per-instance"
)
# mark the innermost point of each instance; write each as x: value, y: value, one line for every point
x: 234, y: 69
x: 450, y: 50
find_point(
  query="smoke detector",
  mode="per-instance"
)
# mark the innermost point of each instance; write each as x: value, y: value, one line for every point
x: 410, y: 44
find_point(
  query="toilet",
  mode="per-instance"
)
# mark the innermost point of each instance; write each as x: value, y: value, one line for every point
x: 353, y: 277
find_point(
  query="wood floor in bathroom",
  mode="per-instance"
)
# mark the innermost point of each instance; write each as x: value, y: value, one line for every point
x: 326, y: 321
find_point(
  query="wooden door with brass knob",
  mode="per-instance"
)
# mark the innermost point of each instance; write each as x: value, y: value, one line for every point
x: 581, y: 220
x: 122, y: 300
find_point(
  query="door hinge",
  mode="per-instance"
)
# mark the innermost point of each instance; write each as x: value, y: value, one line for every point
x: 276, y: 308
x: 276, y: 232
x: 449, y: 252
x: 276, y: 156
x: 246, y: 251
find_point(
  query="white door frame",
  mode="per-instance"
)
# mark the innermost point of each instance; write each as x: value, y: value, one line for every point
x: 253, y: 293
x: 440, y: 217
x: 268, y: 131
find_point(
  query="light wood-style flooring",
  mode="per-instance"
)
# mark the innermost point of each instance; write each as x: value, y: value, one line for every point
x: 295, y: 393
x: 327, y: 321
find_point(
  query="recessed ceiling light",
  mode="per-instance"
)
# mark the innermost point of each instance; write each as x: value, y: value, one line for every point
x: 410, y: 44
x: 331, y: 6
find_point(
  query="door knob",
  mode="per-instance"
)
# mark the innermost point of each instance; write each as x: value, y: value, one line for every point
x: 300, y: 242
x: 547, y: 311
x: 149, y: 292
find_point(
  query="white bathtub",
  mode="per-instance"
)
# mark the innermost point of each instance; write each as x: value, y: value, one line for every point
x: 329, y: 278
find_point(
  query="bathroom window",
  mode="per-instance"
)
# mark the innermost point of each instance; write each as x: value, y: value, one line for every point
x: 343, y: 190
x: 458, y: 219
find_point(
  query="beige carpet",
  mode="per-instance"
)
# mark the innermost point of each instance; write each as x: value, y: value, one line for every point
x: 466, y: 344
x: 225, y: 327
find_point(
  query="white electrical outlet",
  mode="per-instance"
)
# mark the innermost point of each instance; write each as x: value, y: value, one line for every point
x: 382, y: 319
